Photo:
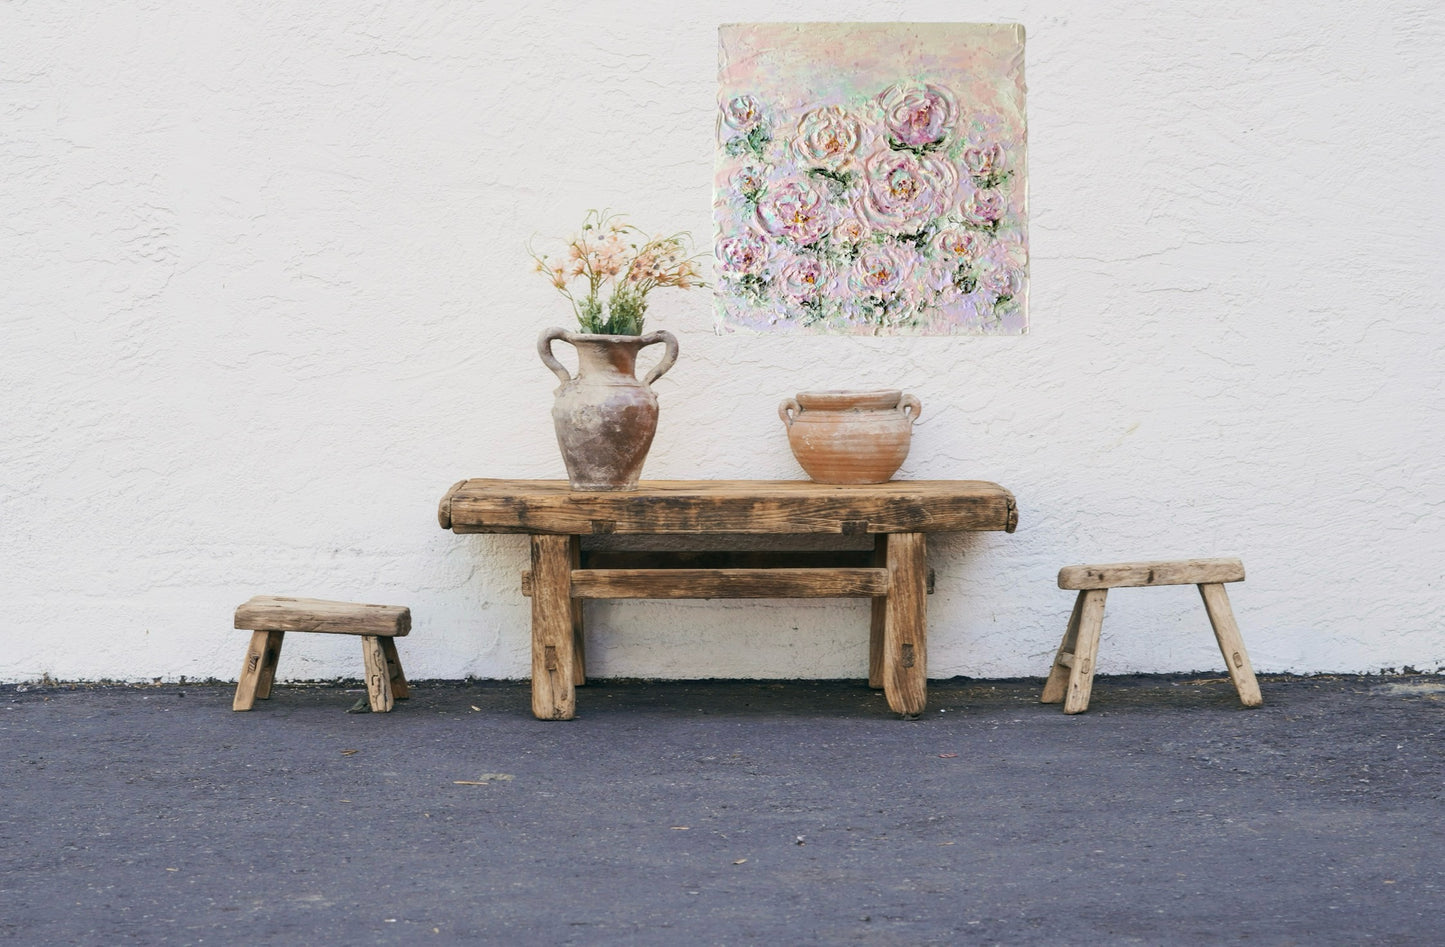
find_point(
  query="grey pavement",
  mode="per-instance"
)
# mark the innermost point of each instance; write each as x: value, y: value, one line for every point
x: 727, y: 812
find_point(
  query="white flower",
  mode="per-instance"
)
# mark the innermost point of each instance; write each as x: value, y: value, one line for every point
x: 742, y: 113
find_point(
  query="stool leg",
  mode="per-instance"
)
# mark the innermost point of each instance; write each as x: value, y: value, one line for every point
x: 378, y: 676
x: 1058, y: 681
x: 268, y: 664
x: 260, y: 666
x: 399, y: 688
x: 1231, y: 644
x: 1086, y: 650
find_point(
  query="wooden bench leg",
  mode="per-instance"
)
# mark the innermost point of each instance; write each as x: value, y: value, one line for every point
x: 554, y: 694
x: 1231, y: 644
x: 399, y: 688
x: 259, y: 669
x: 905, y: 625
x: 1058, y: 683
x: 878, y: 620
x: 378, y: 675
x: 579, y: 642
x: 1086, y: 651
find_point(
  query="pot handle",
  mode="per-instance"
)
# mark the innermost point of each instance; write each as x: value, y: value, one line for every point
x: 787, y: 409
x: 908, y: 401
x: 544, y: 349
x: 669, y: 354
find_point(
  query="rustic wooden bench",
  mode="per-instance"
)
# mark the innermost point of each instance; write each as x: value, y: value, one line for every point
x: 893, y: 573
x: 1072, y: 677
x: 269, y: 617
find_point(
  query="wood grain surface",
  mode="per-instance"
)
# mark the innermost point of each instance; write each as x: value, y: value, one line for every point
x: 905, y: 625
x: 1124, y: 575
x: 728, y: 506
x: 283, y: 613
x: 723, y: 583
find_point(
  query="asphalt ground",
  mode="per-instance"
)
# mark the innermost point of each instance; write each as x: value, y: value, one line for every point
x: 727, y: 812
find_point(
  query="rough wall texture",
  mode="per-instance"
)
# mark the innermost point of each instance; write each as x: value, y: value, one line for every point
x: 264, y: 299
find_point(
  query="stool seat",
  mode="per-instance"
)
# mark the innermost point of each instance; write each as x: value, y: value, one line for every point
x: 1071, y: 678
x: 269, y: 617
x: 1123, y: 575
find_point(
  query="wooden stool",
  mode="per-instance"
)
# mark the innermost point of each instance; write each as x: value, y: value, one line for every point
x: 1072, y: 676
x: 269, y: 617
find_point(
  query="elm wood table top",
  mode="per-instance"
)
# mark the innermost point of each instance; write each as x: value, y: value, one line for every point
x: 728, y: 506
x: 897, y: 514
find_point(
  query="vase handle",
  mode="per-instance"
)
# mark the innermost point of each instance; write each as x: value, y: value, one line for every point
x: 787, y: 409
x: 669, y: 354
x: 544, y: 349
x: 907, y: 402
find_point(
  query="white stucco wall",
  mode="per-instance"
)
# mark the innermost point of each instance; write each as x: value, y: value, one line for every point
x: 265, y: 298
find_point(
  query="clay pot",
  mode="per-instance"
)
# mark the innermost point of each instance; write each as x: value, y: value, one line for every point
x: 605, y: 417
x: 850, y: 436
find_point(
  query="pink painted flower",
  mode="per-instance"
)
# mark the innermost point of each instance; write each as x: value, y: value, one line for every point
x: 1001, y: 271
x: 803, y: 277
x: 982, y: 162
x: 1000, y: 281
x: 850, y: 231
x: 742, y: 113
x: 882, y: 269
x: 794, y: 210
x: 903, y: 191
x: 984, y: 208
x: 748, y: 181
x: 828, y: 137
x: 917, y: 115
x: 742, y: 254
x: 956, y: 244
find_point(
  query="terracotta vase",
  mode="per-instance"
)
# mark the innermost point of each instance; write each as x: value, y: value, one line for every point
x: 850, y: 436
x: 605, y: 417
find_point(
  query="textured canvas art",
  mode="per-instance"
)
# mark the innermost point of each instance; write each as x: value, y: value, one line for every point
x: 871, y: 179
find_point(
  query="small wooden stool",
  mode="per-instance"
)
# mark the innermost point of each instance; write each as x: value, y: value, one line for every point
x: 1072, y: 676
x: 269, y: 617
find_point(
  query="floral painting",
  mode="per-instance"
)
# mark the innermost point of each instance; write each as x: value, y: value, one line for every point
x: 871, y: 179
